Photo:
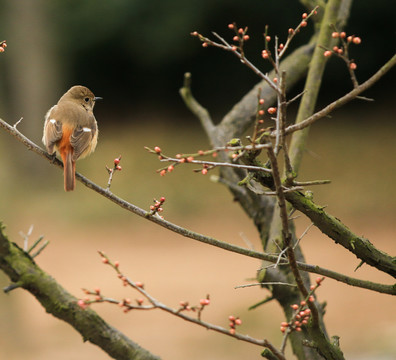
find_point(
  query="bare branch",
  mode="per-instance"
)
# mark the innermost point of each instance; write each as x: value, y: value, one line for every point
x: 286, y: 234
x: 265, y: 284
x: 245, y: 61
x: 215, y: 164
x: 343, y: 100
x: 388, y: 289
x: 197, y: 109
x: 61, y: 304
x: 176, y: 312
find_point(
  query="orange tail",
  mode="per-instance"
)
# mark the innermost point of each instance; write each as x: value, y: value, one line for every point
x: 69, y: 170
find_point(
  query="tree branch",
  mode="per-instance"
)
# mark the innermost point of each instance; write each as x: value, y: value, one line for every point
x: 313, y: 81
x: 23, y: 271
x: 335, y: 229
x: 197, y: 109
x: 388, y: 289
x: 343, y: 100
x: 341, y: 234
x: 156, y: 304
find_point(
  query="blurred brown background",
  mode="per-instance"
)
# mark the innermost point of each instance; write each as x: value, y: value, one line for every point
x: 134, y: 54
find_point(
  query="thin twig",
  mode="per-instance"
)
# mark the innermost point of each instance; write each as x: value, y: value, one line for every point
x: 243, y: 59
x: 246, y: 240
x: 303, y: 234
x: 111, y: 173
x: 262, y: 302
x: 18, y: 122
x: 313, y: 182
x: 295, y: 98
x: 280, y: 256
x: 296, y: 31
x: 26, y: 237
x: 242, y: 147
x: 264, y: 283
x: 34, y: 244
x: 341, y: 101
x: 282, y: 119
x: 286, y: 235
x: 40, y: 249
x: 285, y: 190
x: 215, y: 164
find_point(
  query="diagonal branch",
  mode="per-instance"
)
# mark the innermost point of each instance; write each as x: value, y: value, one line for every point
x: 343, y: 100
x: 387, y: 289
x: 341, y: 234
x: 335, y: 229
x: 23, y: 271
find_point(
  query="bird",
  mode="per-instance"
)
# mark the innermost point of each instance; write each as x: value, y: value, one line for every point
x: 70, y: 129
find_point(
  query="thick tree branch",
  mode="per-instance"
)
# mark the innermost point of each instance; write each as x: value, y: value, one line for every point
x: 24, y: 272
x: 335, y: 229
x: 313, y: 81
x: 341, y: 234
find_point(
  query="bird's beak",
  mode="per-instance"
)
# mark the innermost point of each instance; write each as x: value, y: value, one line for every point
x: 98, y: 98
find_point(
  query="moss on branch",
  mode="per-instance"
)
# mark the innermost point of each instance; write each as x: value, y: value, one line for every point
x: 25, y: 273
x: 341, y: 234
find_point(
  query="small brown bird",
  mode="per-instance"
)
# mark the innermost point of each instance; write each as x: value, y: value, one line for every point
x: 71, y: 129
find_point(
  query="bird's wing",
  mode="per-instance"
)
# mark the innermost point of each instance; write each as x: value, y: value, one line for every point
x: 82, y: 139
x: 52, y: 131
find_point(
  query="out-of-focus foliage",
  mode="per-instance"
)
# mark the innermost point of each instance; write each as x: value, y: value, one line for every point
x: 135, y: 52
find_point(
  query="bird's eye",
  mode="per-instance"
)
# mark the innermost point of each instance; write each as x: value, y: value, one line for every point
x: 86, y: 99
